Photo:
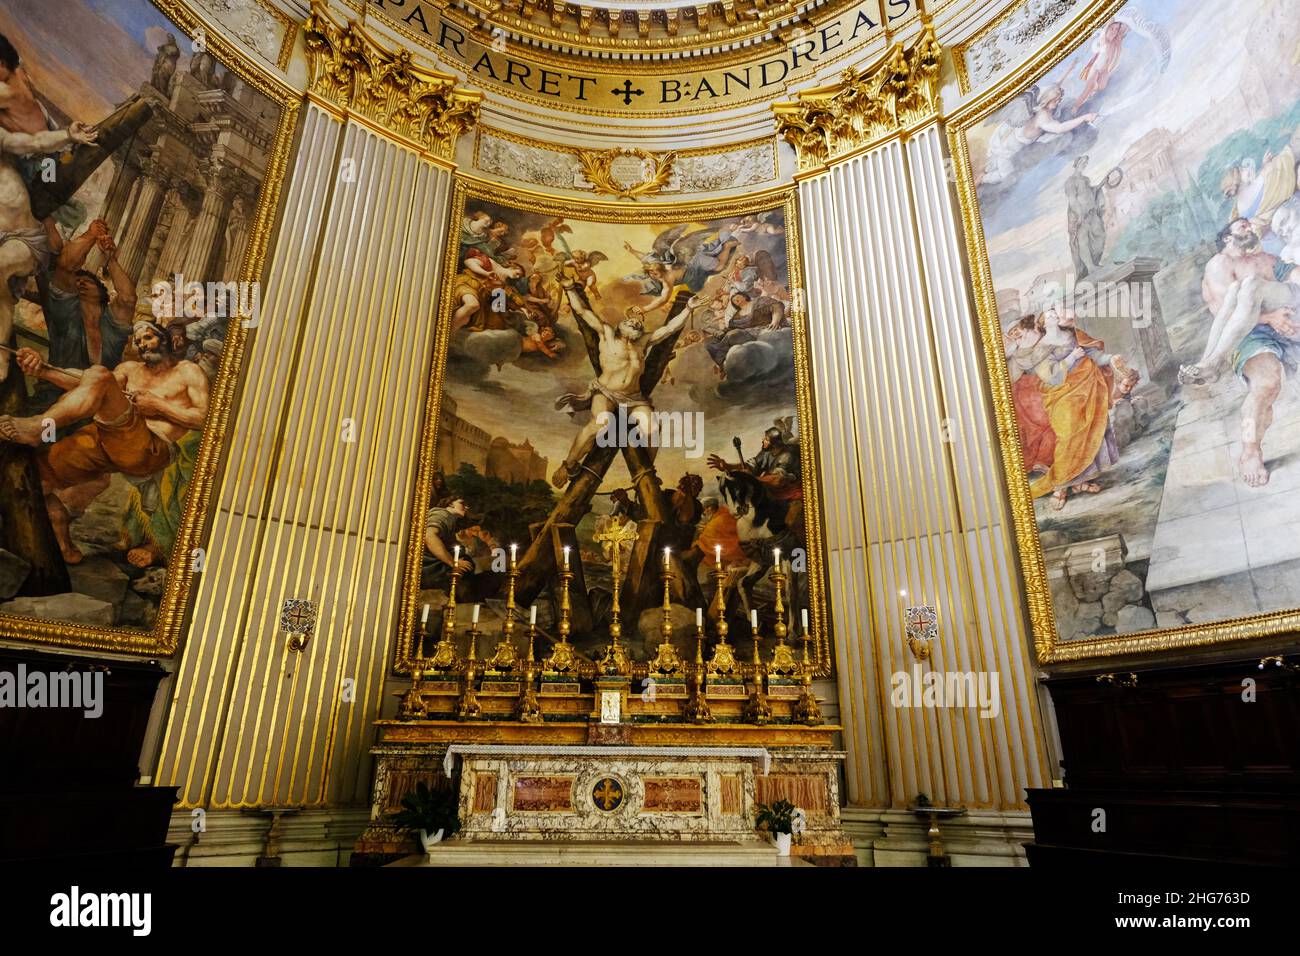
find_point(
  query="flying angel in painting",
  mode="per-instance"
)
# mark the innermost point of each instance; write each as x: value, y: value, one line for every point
x: 680, y: 262
x: 1032, y: 118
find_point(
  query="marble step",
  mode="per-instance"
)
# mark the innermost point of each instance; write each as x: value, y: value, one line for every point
x: 517, y: 853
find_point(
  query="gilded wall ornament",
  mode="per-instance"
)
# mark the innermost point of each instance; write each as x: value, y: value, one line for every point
x: 828, y: 122
x: 626, y: 173
x: 352, y: 72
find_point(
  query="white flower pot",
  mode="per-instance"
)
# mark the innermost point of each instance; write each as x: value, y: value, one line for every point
x: 782, y: 841
x: 429, y: 839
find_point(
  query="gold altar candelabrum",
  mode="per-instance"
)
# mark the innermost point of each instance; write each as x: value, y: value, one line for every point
x: 412, y: 707
x: 783, y: 663
x: 527, y: 709
x: 505, y: 656
x: 758, y: 710
x: 563, y: 659
x: 697, y: 709
x: 806, y: 710
x: 723, y: 663
x: 445, y: 658
x: 667, y: 662
x: 467, y: 706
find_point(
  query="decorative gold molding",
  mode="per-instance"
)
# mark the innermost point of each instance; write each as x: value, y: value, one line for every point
x: 831, y: 121
x: 352, y: 72
x: 598, y: 169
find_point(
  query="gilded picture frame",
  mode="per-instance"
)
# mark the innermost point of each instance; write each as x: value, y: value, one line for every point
x: 468, y: 189
x: 164, y: 637
x: 1049, y: 646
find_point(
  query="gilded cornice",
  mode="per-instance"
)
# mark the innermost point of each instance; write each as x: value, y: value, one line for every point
x: 352, y: 72
x: 832, y: 121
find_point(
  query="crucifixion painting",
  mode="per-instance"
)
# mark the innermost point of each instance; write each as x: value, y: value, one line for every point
x: 626, y: 385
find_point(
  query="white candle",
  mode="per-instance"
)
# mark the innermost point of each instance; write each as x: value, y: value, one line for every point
x: 804, y: 617
x: 753, y: 619
x: 699, y: 617
x: 474, y: 619
x: 513, y: 548
x: 717, y: 554
x: 776, y: 557
x: 532, y: 615
x: 424, y: 615
x: 666, y: 558
x: 455, y: 555
x: 566, y: 557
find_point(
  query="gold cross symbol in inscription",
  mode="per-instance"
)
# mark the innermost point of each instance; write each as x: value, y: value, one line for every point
x: 607, y: 794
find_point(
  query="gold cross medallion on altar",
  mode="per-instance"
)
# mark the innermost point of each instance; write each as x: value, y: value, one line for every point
x: 607, y: 794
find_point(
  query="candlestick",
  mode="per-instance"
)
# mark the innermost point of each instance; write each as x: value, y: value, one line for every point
x: 532, y: 617
x: 717, y: 555
x: 757, y: 708
x: 806, y: 710
x: 513, y: 549
x: 468, y: 707
x: 527, y: 708
x: 667, y: 662
x: 776, y: 556
x: 562, y: 659
x: 803, y: 618
x: 444, y: 654
x: 424, y: 615
x: 474, y: 617
x: 505, y: 657
x: 566, y: 557
x: 455, y: 555
x: 697, y: 709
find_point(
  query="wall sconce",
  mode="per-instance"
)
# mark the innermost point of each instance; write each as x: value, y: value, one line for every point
x: 922, y: 627
x: 298, y: 620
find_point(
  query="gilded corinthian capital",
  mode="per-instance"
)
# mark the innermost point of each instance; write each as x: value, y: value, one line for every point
x: 354, y: 72
x: 900, y: 91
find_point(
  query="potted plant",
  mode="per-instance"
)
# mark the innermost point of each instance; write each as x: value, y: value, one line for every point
x: 778, y: 820
x: 429, y: 812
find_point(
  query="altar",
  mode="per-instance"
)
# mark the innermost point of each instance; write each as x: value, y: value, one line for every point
x: 603, y: 751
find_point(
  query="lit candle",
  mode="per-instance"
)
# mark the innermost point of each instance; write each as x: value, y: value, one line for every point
x: 474, y: 619
x: 532, y: 615
x: 513, y: 548
x: 424, y: 615
x: 753, y: 619
x: 717, y: 554
x: 455, y: 555
x: 776, y: 557
x: 804, y: 617
x: 699, y: 617
x: 666, y: 559
x: 566, y: 557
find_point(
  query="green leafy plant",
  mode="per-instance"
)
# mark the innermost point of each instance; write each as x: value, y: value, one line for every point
x: 425, y: 808
x: 777, y: 818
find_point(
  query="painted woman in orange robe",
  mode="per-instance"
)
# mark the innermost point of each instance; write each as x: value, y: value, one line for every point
x: 1078, y: 383
x: 1024, y: 353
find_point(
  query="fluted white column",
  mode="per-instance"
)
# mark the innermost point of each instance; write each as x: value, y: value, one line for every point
x: 316, y: 492
x: 915, y: 509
